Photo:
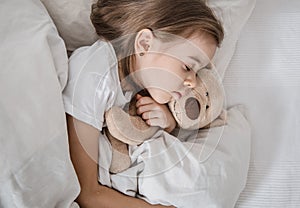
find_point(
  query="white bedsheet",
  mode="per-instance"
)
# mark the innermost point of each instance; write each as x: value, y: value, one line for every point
x: 264, y: 75
x: 35, y: 166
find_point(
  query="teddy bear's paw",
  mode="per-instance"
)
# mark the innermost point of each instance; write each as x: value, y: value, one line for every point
x: 119, y: 162
x: 131, y: 130
x: 120, y: 155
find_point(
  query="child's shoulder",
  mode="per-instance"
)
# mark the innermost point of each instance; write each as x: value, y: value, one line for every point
x: 99, y: 57
x: 99, y: 45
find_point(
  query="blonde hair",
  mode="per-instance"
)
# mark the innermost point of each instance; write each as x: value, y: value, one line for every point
x: 117, y: 20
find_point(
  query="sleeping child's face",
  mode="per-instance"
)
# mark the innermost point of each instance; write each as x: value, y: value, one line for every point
x: 168, y: 70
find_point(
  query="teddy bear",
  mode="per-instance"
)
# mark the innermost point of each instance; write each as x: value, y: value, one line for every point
x: 202, y: 107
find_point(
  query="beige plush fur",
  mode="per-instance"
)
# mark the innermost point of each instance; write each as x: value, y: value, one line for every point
x: 201, y: 108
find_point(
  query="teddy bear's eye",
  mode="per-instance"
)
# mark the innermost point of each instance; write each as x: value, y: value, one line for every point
x: 207, y: 106
x: 206, y: 94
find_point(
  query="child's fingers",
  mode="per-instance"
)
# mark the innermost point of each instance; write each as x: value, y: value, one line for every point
x: 155, y: 118
x: 148, y: 107
x: 151, y: 114
x: 138, y: 96
x: 144, y: 101
x: 156, y: 122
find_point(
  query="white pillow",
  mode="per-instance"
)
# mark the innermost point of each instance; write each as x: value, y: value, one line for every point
x: 36, y: 170
x: 72, y: 19
x: 233, y: 14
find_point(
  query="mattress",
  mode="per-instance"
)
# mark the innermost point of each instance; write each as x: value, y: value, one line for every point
x: 264, y: 75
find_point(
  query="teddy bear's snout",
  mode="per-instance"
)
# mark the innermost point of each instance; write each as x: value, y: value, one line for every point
x: 192, y: 108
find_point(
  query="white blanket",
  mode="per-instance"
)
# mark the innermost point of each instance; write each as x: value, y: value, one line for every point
x: 186, y: 174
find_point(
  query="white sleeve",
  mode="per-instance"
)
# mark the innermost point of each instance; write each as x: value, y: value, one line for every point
x: 88, y: 93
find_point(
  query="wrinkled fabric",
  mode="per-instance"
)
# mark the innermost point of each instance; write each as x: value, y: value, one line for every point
x: 209, y: 170
x: 35, y: 166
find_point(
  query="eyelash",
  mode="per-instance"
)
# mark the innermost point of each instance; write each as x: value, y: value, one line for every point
x: 187, y: 68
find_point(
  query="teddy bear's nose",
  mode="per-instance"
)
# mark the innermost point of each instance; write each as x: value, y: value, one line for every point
x: 192, y: 108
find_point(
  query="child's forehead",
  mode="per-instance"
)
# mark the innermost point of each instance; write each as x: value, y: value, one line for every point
x: 188, y: 54
x: 188, y: 48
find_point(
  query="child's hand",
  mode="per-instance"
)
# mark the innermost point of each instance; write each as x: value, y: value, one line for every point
x: 155, y: 114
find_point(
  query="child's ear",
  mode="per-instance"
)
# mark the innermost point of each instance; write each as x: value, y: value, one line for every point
x: 143, y: 41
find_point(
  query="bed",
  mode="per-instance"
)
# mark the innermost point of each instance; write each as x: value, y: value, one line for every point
x: 260, y: 70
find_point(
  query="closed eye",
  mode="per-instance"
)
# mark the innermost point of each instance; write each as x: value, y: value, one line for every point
x: 187, y: 68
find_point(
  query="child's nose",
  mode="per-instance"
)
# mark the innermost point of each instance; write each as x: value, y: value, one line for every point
x: 191, y: 80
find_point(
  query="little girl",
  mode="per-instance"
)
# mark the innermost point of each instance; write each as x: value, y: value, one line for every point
x: 147, y: 44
